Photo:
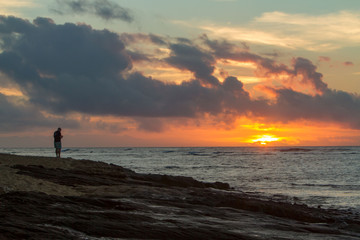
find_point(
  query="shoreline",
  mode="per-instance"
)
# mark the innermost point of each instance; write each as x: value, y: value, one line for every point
x: 67, y: 198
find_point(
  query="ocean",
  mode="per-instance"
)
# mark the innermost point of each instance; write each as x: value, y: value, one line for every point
x: 326, y: 177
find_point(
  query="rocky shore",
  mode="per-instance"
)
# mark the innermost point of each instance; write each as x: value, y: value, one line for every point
x: 49, y: 198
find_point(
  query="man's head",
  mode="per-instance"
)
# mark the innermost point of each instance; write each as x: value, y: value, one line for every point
x: 59, y: 129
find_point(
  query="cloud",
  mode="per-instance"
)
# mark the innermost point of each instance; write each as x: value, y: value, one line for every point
x: 63, y: 49
x: 331, y: 106
x: 16, y: 3
x: 225, y: 49
x: 143, y: 40
x: 328, y: 31
x: 348, y: 63
x: 140, y: 37
x: 151, y: 124
x: 191, y: 58
x: 10, y: 7
x: 18, y: 116
x: 307, y: 70
x: 326, y: 105
x: 74, y: 69
x: 318, y: 33
x: 104, y: 9
x: 303, y: 69
x: 253, y: 35
x: 324, y: 59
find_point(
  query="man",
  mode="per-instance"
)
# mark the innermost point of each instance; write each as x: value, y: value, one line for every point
x: 57, y: 142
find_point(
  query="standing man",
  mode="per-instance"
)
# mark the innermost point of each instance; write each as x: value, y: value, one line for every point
x: 57, y: 142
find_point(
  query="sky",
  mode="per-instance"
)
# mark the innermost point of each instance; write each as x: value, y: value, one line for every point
x: 163, y: 73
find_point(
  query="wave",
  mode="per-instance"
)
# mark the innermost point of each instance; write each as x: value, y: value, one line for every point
x: 334, y: 186
x: 172, y: 167
x: 198, y: 154
x: 169, y: 151
x: 296, y: 150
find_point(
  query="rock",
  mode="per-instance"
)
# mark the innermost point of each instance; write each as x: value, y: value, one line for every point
x: 118, y: 203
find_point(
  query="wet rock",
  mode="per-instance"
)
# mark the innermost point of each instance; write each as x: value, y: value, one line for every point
x: 178, y: 181
x: 118, y: 203
x: 110, y: 176
x: 30, y: 215
x: 71, y: 177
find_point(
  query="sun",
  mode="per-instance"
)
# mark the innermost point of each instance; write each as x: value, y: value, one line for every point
x: 264, y: 139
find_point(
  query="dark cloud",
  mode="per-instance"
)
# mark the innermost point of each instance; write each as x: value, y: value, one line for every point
x: 71, y: 68
x: 273, y: 54
x: 137, y: 56
x: 307, y: 70
x: 66, y: 49
x: 188, y: 57
x: 223, y: 48
x: 139, y: 38
x: 327, y: 105
x: 303, y: 70
x: 331, y: 106
x: 11, y: 24
x: 74, y: 68
x: 105, y: 9
x: 184, y: 41
x: 129, y: 39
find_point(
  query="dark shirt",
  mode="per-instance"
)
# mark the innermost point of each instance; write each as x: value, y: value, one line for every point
x: 57, y: 136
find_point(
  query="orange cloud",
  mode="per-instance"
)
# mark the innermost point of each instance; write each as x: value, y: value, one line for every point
x: 11, y: 92
x: 163, y: 72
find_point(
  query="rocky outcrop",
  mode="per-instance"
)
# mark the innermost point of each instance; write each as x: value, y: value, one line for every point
x: 111, y: 175
x: 113, y: 202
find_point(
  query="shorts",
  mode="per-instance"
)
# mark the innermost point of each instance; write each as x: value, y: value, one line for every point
x: 57, y: 145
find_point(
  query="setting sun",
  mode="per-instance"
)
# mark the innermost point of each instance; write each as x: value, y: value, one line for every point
x: 265, y: 139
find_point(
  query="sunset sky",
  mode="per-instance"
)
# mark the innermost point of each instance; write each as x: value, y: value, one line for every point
x: 115, y: 73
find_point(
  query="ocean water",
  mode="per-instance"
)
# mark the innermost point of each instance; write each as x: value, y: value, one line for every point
x: 328, y: 177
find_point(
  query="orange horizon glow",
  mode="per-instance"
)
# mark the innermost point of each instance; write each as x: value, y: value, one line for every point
x: 264, y: 139
x: 243, y: 132
x: 99, y: 132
